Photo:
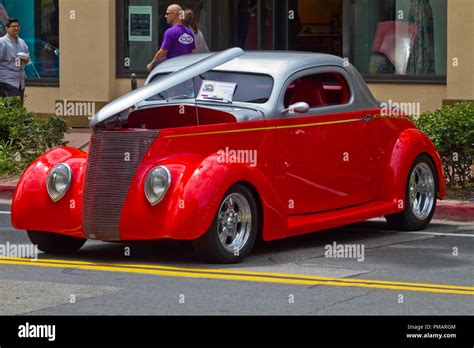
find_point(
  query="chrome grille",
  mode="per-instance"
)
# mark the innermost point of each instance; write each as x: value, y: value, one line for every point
x: 113, y: 159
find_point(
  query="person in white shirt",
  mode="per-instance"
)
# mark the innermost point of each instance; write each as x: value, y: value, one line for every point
x: 14, y: 56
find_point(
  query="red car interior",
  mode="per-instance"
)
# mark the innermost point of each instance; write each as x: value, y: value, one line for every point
x: 318, y: 90
x: 177, y: 116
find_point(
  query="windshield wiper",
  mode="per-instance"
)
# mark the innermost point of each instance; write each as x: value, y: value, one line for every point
x: 184, y: 96
x: 259, y: 100
x: 220, y: 99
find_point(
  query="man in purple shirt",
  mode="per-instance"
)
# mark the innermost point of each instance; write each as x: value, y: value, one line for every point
x: 178, y: 40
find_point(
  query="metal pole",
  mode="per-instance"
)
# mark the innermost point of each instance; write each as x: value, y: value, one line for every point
x: 134, y: 81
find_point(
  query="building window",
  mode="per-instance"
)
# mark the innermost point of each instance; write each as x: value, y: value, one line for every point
x: 251, y: 24
x: 301, y: 25
x: 141, y: 25
x: 399, y: 39
x: 387, y: 40
x: 315, y: 26
x: 39, y: 20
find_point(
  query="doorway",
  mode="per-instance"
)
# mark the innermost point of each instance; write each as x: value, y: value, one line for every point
x: 299, y: 25
x: 316, y: 27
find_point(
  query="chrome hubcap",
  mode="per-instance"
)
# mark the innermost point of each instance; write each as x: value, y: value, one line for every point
x: 234, y: 222
x: 422, y: 191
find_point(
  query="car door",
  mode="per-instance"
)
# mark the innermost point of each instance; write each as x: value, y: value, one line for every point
x: 323, y: 159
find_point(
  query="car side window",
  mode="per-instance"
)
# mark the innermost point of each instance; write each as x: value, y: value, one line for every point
x: 318, y: 90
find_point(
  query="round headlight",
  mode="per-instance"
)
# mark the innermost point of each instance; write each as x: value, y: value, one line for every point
x: 58, y: 181
x: 156, y: 184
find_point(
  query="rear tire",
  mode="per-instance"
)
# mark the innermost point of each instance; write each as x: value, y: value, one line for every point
x: 53, y: 243
x: 234, y: 229
x: 420, y: 197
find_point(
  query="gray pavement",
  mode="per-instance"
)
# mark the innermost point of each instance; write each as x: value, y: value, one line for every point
x: 77, y: 136
x: 438, y: 260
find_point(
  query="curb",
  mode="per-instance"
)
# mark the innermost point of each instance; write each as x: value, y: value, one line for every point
x: 455, y: 211
x: 445, y: 210
x: 7, y: 191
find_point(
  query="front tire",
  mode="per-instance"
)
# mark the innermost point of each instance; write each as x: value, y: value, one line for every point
x: 53, y: 243
x: 420, y: 197
x: 234, y: 229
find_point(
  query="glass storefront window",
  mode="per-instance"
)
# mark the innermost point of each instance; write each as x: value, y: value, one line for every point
x: 140, y: 30
x: 315, y: 26
x: 386, y: 40
x: 301, y: 25
x: 399, y: 37
x: 246, y: 16
x: 39, y: 20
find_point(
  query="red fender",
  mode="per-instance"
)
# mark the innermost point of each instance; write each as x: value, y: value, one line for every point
x: 212, y: 191
x: 193, y: 199
x: 410, y: 144
x: 33, y: 209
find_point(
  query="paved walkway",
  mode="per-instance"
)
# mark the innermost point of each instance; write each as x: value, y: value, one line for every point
x: 78, y: 136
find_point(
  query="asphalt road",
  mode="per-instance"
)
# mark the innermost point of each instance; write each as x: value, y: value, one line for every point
x: 398, y: 273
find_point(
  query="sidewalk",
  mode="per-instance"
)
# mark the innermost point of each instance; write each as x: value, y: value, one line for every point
x: 78, y: 136
x: 446, y: 210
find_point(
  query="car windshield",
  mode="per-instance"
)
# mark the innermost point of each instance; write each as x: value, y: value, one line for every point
x: 251, y: 88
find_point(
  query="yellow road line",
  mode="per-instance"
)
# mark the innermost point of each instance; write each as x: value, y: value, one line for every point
x: 242, y: 275
x: 237, y: 272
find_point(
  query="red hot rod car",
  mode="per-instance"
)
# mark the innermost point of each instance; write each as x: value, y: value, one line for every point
x: 225, y: 148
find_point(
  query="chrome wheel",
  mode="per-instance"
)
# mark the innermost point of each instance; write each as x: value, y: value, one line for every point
x: 234, y: 222
x: 234, y: 229
x: 422, y: 191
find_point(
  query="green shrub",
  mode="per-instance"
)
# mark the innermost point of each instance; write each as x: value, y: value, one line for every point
x: 451, y: 129
x: 24, y: 136
x: 8, y: 158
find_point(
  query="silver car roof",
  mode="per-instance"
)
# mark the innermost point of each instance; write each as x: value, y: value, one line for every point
x: 281, y: 65
x: 278, y: 64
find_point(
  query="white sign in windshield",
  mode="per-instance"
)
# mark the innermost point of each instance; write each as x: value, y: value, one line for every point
x: 217, y: 90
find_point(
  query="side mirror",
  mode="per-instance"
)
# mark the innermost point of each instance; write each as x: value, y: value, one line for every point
x: 298, y: 108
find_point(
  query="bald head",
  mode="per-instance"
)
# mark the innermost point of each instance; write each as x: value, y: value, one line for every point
x: 174, y: 14
x: 175, y: 7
